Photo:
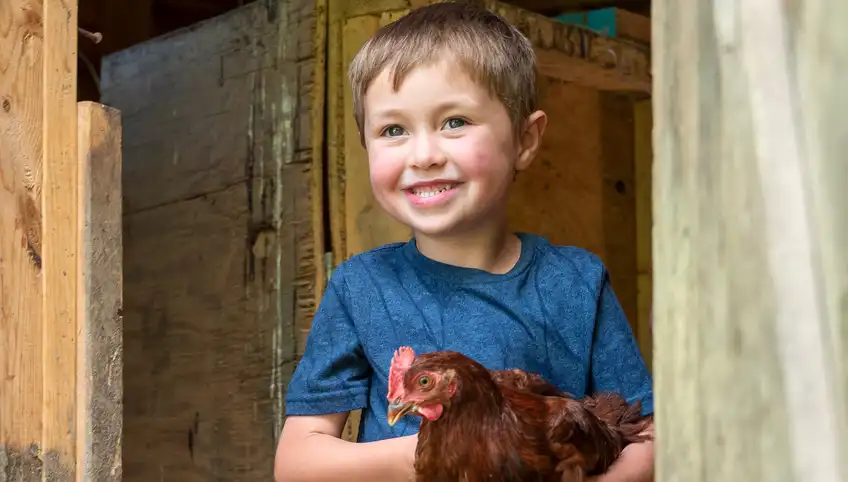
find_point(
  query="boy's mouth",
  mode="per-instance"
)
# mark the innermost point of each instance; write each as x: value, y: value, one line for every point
x: 431, y: 190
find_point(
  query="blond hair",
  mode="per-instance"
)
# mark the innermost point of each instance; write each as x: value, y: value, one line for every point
x: 492, y: 52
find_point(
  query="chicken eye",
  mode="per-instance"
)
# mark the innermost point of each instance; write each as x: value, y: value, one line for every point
x: 424, y: 381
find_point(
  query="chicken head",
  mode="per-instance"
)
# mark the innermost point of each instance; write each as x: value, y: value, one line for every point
x: 415, y: 388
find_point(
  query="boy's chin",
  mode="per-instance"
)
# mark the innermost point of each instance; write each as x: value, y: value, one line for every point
x: 433, y: 228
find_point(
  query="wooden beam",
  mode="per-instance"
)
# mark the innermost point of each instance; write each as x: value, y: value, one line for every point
x: 581, y: 56
x: 751, y: 224
x: 100, y: 354
x: 22, y: 48
x: 556, y: 6
x: 39, y: 254
x: 60, y: 250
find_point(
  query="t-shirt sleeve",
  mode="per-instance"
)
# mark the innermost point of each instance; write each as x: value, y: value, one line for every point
x: 617, y: 363
x: 333, y: 375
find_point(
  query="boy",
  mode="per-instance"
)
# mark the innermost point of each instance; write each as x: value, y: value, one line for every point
x: 446, y: 107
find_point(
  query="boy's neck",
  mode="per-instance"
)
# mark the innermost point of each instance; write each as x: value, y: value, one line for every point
x: 495, y: 249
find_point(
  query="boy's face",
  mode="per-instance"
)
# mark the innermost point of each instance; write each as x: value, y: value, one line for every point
x: 442, y: 152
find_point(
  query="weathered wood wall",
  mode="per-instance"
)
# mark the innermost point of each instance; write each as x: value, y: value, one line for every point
x: 586, y: 166
x: 751, y: 229
x: 221, y: 238
x: 55, y: 271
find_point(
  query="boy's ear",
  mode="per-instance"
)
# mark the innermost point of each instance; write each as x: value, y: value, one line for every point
x: 530, y: 140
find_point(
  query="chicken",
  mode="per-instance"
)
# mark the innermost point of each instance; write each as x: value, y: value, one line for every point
x: 507, y: 425
x: 612, y: 408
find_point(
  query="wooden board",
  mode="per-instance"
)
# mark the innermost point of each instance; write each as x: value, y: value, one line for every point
x: 100, y: 349
x: 38, y: 242
x: 21, y: 118
x: 60, y: 248
x: 751, y: 224
x: 221, y: 254
x: 644, y: 156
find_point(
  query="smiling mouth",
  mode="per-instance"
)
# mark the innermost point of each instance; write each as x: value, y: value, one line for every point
x: 430, y: 191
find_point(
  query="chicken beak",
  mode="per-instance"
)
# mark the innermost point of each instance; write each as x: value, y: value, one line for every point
x: 397, y: 409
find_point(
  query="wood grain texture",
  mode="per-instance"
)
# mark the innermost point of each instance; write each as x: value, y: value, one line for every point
x: 21, y: 113
x: 220, y: 254
x: 100, y: 348
x: 750, y: 313
x: 60, y: 240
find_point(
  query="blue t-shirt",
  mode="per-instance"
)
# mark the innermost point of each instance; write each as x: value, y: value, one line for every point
x: 553, y: 313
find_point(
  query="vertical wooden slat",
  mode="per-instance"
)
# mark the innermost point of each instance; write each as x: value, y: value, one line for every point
x: 643, y: 123
x: 21, y: 83
x: 751, y: 122
x: 60, y: 244
x: 318, y: 113
x: 100, y: 349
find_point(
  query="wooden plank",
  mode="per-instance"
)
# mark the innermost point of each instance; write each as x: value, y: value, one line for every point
x: 337, y: 86
x: 578, y: 55
x: 552, y: 6
x: 633, y: 26
x: 221, y: 257
x: 21, y: 112
x: 750, y: 287
x: 612, y: 22
x: 317, y: 141
x: 60, y: 247
x: 644, y: 155
x: 100, y: 349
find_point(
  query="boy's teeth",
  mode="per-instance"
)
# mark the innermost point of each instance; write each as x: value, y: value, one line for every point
x: 430, y: 190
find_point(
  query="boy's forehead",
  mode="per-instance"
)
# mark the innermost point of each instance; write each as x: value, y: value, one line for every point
x: 444, y: 78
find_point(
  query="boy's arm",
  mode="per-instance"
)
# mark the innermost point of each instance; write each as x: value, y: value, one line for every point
x: 331, y: 379
x: 311, y: 449
x: 618, y: 366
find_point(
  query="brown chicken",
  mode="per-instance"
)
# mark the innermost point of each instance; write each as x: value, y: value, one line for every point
x: 507, y: 425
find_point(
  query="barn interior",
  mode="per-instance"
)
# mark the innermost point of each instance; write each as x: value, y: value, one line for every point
x: 241, y: 192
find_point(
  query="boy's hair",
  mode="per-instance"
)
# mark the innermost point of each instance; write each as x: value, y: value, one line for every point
x: 492, y: 52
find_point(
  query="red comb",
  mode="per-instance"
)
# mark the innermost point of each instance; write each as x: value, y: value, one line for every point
x: 401, y: 361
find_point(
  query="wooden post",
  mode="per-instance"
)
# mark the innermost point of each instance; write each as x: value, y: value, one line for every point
x: 55, y: 402
x: 751, y: 225
x: 38, y: 239
x: 60, y: 249
x: 100, y: 344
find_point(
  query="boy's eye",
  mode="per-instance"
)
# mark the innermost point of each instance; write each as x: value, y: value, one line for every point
x: 454, y: 123
x: 393, y: 131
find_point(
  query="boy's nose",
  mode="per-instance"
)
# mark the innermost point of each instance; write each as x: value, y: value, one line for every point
x: 426, y: 153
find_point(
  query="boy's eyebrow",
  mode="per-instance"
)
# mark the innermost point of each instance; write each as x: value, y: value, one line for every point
x: 440, y: 107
